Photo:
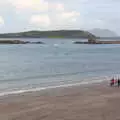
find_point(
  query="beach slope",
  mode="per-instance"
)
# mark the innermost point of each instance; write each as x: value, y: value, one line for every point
x: 88, y: 102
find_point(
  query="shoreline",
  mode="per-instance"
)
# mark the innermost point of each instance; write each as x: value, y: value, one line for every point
x: 40, y: 89
x: 96, y: 101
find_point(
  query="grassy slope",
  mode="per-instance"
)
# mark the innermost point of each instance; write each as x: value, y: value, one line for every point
x: 50, y: 34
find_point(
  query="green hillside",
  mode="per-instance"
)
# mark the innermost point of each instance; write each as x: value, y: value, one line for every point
x: 49, y: 34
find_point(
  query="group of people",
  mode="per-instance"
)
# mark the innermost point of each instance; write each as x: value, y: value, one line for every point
x: 115, y: 82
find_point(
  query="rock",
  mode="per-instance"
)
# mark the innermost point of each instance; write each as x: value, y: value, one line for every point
x: 12, y: 42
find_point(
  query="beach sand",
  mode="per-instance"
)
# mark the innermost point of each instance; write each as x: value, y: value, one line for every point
x: 87, y: 102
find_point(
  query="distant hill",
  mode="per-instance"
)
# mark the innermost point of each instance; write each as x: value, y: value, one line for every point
x: 103, y: 33
x: 49, y: 34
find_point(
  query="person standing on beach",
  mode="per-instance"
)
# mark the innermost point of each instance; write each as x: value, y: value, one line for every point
x: 118, y: 82
x: 112, y: 82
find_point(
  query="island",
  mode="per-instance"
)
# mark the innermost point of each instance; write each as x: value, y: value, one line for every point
x: 62, y: 34
x: 49, y: 34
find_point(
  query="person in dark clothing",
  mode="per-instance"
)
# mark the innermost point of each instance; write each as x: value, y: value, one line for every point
x: 118, y: 82
x: 112, y: 82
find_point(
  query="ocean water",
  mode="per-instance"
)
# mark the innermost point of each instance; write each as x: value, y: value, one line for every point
x: 57, y: 63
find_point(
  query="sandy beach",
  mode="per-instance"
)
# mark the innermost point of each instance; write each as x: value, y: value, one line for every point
x: 88, y: 102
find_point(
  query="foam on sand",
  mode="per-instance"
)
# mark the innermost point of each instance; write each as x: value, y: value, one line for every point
x: 93, y: 80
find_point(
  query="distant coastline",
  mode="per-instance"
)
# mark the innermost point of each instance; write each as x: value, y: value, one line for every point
x: 75, y: 42
x: 62, y: 34
x: 49, y: 34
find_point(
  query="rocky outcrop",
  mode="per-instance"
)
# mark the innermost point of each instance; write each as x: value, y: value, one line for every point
x: 92, y: 40
x: 18, y: 42
x: 108, y: 42
x: 39, y: 42
x: 12, y: 42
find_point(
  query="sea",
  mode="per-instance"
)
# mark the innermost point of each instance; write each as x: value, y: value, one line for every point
x: 57, y: 63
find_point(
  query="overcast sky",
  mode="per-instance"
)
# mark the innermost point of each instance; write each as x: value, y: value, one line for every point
x: 22, y: 15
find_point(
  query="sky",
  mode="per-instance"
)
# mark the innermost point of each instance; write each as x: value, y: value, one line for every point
x: 24, y: 15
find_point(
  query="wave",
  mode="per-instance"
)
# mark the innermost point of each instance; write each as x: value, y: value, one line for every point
x: 95, y: 80
x: 56, y: 45
x: 54, y: 75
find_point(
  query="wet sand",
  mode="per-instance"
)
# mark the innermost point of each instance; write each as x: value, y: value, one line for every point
x: 88, y: 102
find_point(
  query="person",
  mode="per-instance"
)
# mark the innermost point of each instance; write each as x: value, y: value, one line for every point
x: 112, y: 82
x: 118, y: 82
